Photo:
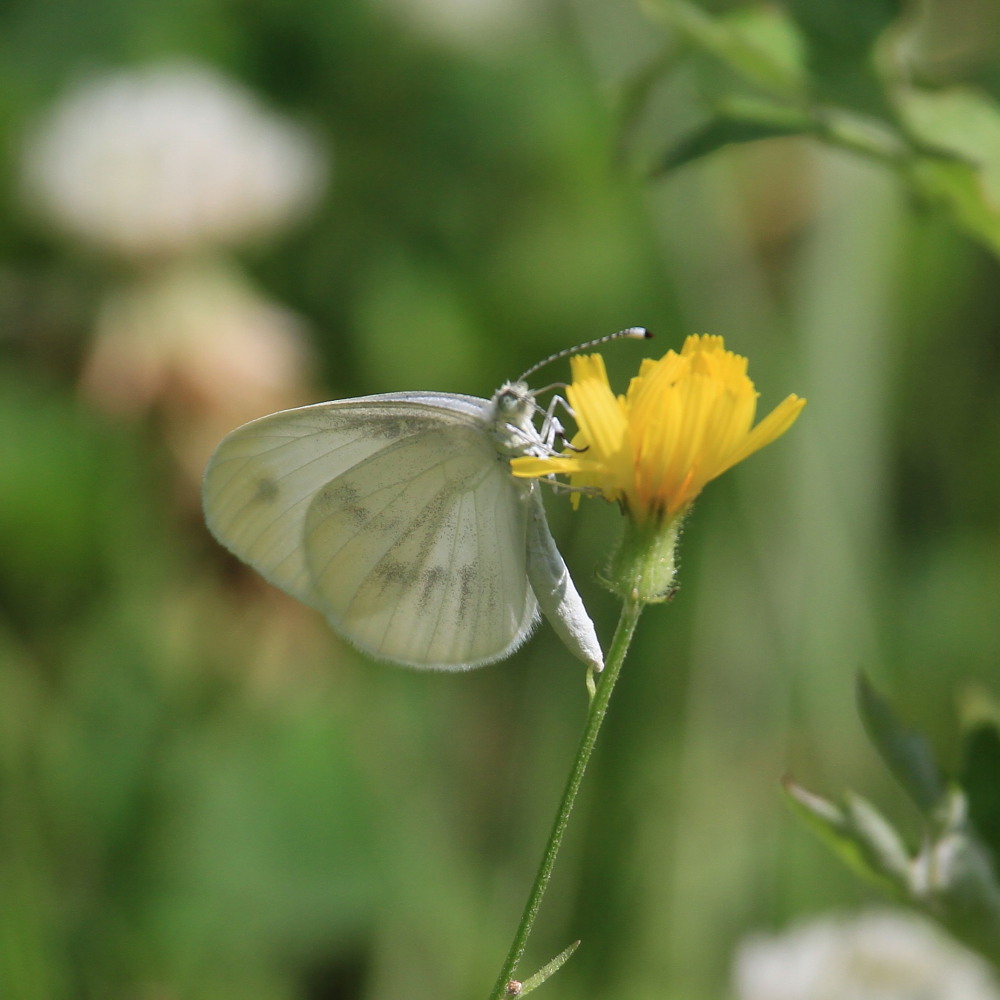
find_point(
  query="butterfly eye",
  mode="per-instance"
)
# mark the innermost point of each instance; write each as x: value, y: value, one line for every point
x: 513, y: 399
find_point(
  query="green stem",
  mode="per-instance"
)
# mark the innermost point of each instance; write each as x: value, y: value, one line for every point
x: 598, y: 708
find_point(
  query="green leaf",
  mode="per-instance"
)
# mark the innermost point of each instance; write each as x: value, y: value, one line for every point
x: 906, y: 752
x: 883, y: 848
x: 848, y: 28
x: 857, y: 834
x: 960, y: 122
x: 769, y: 30
x: 960, y: 128
x: 723, y: 131
x: 957, y: 188
x: 533, y: 982
x: 759, y: 44
x: 955, y: 880
x: 840, y: 42
x: 980, y: 779
x: 741, y: 119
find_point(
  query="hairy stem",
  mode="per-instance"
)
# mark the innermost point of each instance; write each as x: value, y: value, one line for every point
x: 598, y: 709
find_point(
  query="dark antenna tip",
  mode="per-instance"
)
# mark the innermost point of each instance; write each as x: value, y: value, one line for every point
x: 629, y: 333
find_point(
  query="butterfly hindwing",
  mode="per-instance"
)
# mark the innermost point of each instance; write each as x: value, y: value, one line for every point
x: 418, y: 554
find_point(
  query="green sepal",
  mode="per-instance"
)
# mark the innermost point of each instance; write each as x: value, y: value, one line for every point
x: 644, y: 566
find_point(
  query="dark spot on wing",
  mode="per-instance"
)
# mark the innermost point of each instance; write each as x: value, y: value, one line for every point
x: 336, y: 497
x: 267, y: 490
x: 430, y: 582
x: 391, y: 571
x: 412, y: 425
x: 382, y: 524
x: 467, y: 577
x: 384, y: 427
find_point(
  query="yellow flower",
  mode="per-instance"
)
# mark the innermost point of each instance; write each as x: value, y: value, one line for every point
x: 685, y: 419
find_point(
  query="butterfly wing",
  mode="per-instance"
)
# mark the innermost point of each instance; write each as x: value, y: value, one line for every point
x: 393, y: 515
x: 419, y: 553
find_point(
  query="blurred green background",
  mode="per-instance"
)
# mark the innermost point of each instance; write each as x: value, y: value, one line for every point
x: 206, y: 794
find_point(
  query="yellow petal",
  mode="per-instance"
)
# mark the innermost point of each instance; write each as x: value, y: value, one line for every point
x: 771, y: 427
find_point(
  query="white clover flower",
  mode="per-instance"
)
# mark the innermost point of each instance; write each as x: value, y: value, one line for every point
x: 465, y: 23
x: 881, y: 955
x: 199, y: 346
x: 167, y: 159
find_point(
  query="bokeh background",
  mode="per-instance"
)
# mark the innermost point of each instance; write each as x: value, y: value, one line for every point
x: 216, y: 208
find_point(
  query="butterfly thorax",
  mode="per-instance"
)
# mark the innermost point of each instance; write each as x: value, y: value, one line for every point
x: 513, y: 410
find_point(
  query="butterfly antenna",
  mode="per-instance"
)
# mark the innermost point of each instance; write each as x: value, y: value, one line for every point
x: 631, y: 332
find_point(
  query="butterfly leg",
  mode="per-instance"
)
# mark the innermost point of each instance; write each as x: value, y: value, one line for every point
x: 552, y: 429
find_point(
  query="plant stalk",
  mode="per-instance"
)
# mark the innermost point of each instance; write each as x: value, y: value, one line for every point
x: 631, y: 610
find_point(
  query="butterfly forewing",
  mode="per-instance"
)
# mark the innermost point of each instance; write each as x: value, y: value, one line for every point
x: 380, y: 513
x: 262, y: 478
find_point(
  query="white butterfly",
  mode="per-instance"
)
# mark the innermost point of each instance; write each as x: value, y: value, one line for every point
x: 398, y: 518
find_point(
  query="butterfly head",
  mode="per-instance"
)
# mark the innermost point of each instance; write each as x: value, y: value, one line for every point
x: 514, y: 410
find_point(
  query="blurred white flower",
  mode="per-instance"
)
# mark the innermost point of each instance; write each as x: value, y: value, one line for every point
x: 465, y: 23
x: 882, y: 955
x: 196, y: 344
x: 167, y: 159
